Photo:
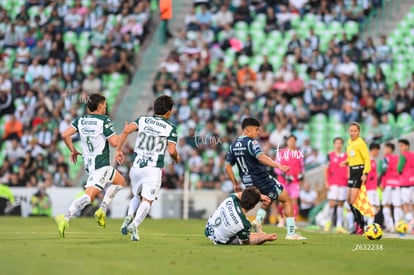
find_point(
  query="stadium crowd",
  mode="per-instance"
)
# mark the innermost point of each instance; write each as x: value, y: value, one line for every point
x: 52, y: 55
x: 214, y: 75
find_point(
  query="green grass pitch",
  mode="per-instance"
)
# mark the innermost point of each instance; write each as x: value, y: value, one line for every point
x: 32, y: 246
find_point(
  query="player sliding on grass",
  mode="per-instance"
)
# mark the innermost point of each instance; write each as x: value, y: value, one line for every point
x: 229, y: 224
x: 155, y: 135
x: 251, y: 162
x: 96, y: 134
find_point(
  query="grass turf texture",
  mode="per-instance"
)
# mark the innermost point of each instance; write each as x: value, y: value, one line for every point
x: 32, y: 246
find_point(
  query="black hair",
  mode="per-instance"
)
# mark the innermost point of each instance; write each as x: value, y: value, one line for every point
x: 94, y: 100
x: 163, y: 104
x: 249, y: 198
x: 338, y: 138
x: 292, y: 136
x: 404, y: 141
x: 390, y: 145
x: 374, y: 145
x: 250, y: 121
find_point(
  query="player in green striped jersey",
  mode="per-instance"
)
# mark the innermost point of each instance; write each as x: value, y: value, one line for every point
x: 229, y: 224
x: 96, y: 134
x: 155, y: 136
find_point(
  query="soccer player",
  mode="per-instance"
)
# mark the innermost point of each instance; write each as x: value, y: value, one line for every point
x: 291, y: 179
x: 336, y: 179
x: 390, y: 182
x: 251, y: 162
x: 229, y: 224
x: 406, y: 171
x: 96, y: 134
x: 155, y: 135
x: 372, y: 180
x: 359, y: 166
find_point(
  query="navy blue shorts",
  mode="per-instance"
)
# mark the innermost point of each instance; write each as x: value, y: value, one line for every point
x: 272, y: 188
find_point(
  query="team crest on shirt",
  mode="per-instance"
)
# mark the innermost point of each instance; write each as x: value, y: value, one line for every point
x: 152, y: 191
x: 352, y: 153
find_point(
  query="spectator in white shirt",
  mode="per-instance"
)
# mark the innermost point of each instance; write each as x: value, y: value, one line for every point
x: 73, y: 21
x: 308, y: 198
x: 223, y: 17
x: 35, y: 69
x: 383, y: 52
x: 348, y: 67
x: 22, y: 53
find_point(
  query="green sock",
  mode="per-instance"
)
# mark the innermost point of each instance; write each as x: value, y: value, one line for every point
x: 290, y: 224
x: 260, y: 215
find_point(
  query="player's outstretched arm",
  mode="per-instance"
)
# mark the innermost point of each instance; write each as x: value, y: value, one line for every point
x: 172, y: 150
x: 265, y: 160
x: 67, y: 138
x: 128, y: 129
x: 256, y: 238
x: 229, y: 171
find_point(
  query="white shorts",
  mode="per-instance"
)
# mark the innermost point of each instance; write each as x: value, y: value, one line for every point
x: 407, y: 194
x: 391, y: 196
x: 373, y: 197
x: 337, y: 193
x: 146, y: 181
x: 100, y: 177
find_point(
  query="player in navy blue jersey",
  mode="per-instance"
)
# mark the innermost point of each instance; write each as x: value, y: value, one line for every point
x: 251, y: 162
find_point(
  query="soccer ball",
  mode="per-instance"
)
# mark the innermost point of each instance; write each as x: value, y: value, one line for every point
x: 401, y: 227
x: 373, y: 232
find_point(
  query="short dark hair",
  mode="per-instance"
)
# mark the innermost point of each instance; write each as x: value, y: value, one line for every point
x: 94, y: 100
x: 404, y: 141
x: 249, y: 198
x: 292, y: 136
x: 250, y: 121
x: 163, y: 104
x: 390, y: 145
x: 355, y: 124
x: 338, y: 138
x: 373, y: 146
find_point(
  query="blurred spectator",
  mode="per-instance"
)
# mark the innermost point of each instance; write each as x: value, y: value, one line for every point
x: 12, y: 128
x: 41, y: 204
x: 6, y: 198
x: 315, y: 159
x: 91, y: 84
x: 242, y: 12
x: 14, y: 152
x: 170, y: 179
x: 307, y: 198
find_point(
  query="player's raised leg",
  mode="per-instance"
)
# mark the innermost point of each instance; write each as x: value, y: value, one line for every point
x: 76, y: 206
x: 118, y: 182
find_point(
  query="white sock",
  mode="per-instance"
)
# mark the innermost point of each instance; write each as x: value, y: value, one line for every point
x: 76, y: 206
x: 339, y: 215
x: 350, y: 219
x: 142, y: 212
x: 290, y: 225
x: 330, y: 213
x: 370, y: 220
x: 260, y: 215
x: 387, y: 218
x: 398, y: 214
x: 109, y: 196
x: 408, y: 217
x: 133, y: 206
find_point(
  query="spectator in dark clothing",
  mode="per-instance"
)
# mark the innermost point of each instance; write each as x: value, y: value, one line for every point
x: 318, y: 104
